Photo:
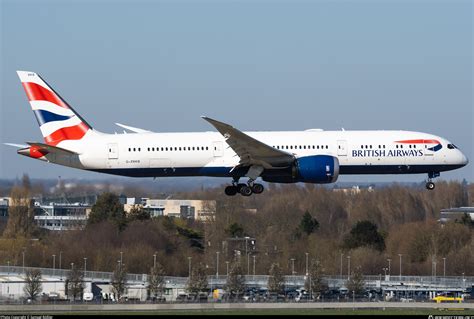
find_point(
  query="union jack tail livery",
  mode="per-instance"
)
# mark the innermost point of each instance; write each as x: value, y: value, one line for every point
x: 57, y: 120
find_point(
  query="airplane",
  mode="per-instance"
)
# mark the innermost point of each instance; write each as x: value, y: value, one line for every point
x: 309, y: 156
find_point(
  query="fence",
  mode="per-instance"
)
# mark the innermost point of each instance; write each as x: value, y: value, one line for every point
x: 461, y: 282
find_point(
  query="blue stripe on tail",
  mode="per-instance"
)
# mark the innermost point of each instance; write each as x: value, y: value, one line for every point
x: 45, y: 117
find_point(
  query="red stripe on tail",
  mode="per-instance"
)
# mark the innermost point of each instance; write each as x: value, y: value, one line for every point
x: 75, y: 132
x: 36, y: 92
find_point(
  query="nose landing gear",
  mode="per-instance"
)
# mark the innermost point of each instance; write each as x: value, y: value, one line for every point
x: 429, y: 184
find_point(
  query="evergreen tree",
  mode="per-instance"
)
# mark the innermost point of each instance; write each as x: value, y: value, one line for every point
x: 138, y: 213
x: 108, y: 207
x: 308, y: 224
x: 365, y: 233
x: 235, y: 230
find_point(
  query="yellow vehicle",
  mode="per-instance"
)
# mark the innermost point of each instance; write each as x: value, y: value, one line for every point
x: 447, y: 297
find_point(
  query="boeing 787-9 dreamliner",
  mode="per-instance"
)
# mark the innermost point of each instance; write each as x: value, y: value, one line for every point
x: 309, y: 156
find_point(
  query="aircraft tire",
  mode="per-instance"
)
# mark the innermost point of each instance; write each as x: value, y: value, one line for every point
x: 245, y: 190
x: 430, y: 186
x: 257, y: 188
x: 230, y: 190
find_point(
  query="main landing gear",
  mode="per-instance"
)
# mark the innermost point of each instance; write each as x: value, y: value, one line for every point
x: 429, y: 184
x: 244, y: 189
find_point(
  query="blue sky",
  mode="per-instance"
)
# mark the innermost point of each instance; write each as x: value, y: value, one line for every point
x: 260, y: 65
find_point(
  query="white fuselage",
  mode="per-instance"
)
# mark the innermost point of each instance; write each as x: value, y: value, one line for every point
x: 207, y: 153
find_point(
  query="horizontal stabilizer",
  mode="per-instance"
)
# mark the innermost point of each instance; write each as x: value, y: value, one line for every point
x: 52, y: 149
x: 133, y: 129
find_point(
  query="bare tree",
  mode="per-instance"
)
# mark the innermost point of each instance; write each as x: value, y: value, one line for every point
x: 198, y: 281
x: 119, y: 281
x: 21, y: 211
x: 75, y: 283
x: 355, y: 283
x: 33, y: 286
x: 314, y: 282
x: 276, y: 281
x: 156, y: 280
x: 235, y: 284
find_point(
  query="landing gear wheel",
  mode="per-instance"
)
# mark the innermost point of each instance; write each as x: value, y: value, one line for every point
x: 245, y: 190
x: 230, y: 190
x: 239, y: 187
x: 257, y: 188
x: 430, y: 186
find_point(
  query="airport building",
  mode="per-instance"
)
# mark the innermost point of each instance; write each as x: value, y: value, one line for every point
x: 4, y: 207
x: 456, y: 214
x: 60, y: 216
x: 201, y: 210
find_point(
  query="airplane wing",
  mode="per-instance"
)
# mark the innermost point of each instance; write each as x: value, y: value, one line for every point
x: 133, y: 129
x: 16, y: 145
x: 251, y: 151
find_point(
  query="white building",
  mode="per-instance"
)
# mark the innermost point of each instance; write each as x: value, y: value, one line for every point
x: 201, y: 210
x: 57, y: 216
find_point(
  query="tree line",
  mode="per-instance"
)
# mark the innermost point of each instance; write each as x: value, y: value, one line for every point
x: 293, y: 225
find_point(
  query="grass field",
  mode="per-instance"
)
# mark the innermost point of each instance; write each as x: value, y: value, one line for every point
x: 274, y: 312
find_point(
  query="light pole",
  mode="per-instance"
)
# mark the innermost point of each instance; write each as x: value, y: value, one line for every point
x: 227, y: 266
x: 154, y: 260
x: 54, y: 262
x: 217, y: 264
x: 389, y: 263
x: 385, y: 270
x: 342, y: 255
x: 306, y: 263
x: 189, y: 274
x: 253, y: 267
x: 23, y: 252
x: 85, y: 266
x: 60, y: 271
x: 248, y: 264
x: 444, y: 266
x: 400, y: 255
x: 292, y: 266
x: 8, y: 279
x: 72, y: 266
x: 348, y: 267
x: 121, y: 257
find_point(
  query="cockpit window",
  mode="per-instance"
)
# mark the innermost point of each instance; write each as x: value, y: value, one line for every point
x: 452, y: 146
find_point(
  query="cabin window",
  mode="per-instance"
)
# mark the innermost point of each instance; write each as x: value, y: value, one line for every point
x: 129, y: 149
x: 327, y: 146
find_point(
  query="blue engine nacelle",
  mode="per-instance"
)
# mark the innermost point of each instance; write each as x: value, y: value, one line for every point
x: 317, y: 169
